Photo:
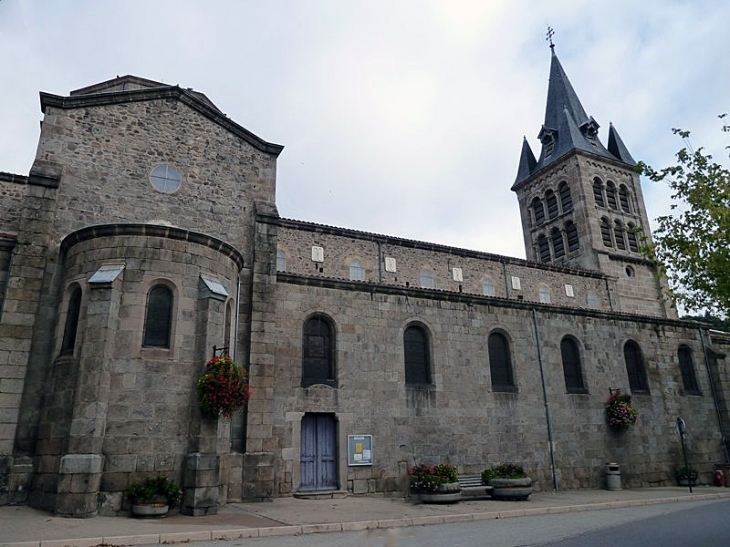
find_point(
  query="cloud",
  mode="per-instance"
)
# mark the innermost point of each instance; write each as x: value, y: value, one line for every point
x: 403, y: 118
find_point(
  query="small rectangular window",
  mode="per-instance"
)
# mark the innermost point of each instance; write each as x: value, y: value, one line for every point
x: 317, y: 254
x: 390, y: 264
x: 569, y: 291
x: 457, y: 274
x: 516, y: 285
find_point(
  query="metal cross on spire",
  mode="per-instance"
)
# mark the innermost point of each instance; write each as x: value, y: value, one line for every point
x: 549, y: 36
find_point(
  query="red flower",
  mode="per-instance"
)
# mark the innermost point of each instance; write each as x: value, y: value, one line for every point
x: 222, y: 388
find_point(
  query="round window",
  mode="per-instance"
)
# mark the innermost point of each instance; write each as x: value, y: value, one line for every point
x: 165, y: 178
x: 630, y: 271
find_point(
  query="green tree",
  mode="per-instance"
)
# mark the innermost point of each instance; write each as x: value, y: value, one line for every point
x: 691, y: 245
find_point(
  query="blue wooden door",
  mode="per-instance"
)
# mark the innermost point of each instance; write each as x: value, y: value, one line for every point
x: 318, y: 464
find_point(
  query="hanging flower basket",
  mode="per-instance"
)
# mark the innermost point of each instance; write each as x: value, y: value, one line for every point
x: 620, y: 413
x: 223, y: 387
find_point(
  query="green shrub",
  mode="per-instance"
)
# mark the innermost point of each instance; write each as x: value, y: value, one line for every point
x: 504, y: 471
x: 154, y: 489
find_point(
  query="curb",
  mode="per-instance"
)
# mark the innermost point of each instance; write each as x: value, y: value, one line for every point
x: 357, y: 526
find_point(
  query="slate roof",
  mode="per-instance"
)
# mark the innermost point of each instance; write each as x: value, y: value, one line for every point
x: 567, y: 128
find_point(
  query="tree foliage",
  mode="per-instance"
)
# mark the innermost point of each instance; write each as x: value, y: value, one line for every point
x: 691, y: 243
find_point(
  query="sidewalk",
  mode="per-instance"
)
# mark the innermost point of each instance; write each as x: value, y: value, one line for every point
x: 23, y: 526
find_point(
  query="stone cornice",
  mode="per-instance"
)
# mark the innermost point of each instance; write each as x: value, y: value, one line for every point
x: 151, y: 230
x: 546, y: 169
x: 456, y: 297
x: 158, y: 93
x: 10, y: 177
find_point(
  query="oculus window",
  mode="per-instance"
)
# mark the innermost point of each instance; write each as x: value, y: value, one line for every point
x: 165, y: 178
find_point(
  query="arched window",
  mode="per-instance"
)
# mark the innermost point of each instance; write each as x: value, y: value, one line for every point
x: 552, y: 204
x: 631, y: 234
x: 538, y: 211
x: 280, y: 261
x: 611, y: 195
x: 686, y: 366
x: 227, y: 327
x: 543, y: 246
x: 598, y: 192
x: 619, y: 235
x: 72, y: 322
x: 558, y: 245
x: 591, y: 300
x: 635, y: 367
x: 623, y: 197
x: 500, y: 363
x: 158, y: 319
x: 427, y: 279
x: 566, y: 200
x: 571, y: 365
x: 416, y: 353
x: 606, y: 232
x: 571, y: 232
x: 318, y: 351
x: 544, y: 294
x: 488, y: 287
x: 357, y: 270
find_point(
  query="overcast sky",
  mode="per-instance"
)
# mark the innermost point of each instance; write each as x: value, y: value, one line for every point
x: 400, y: 117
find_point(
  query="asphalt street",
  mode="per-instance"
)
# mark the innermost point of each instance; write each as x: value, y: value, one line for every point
x: 704, y: 524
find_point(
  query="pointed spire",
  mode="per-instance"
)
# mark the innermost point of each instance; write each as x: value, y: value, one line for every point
x: 527, y: 161
x: 561, y: 95
x: 617, y: 147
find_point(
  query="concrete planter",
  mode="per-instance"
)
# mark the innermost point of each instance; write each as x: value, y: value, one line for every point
x: 511, y: 489
x: 447, y: 493
x: 146, y: 510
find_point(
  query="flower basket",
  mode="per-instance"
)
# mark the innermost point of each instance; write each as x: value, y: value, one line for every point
x: 620, y: 413
x: 223, y: 387
x: 435, y: 483
x: 508, y: 481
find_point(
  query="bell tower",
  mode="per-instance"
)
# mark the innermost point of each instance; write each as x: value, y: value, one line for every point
x: 581, y: 202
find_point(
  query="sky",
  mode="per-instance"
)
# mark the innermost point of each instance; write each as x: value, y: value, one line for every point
x: 399, y: 117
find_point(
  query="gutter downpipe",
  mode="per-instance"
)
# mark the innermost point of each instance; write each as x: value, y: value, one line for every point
x: 714, y: 396
x: 545, y: 400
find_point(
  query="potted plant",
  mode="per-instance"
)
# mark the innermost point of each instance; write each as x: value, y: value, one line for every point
x: 620, y: 413
x: 686, y: 476
x: 508, y: 481
x: 435, y: 483
x: 153, y: 496
x: 223, y: 387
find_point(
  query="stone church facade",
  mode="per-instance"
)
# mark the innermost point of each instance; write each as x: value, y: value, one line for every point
x: 146, y: 234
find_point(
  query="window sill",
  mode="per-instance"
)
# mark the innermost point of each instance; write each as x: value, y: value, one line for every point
x: 578, y: 391
x: 311, y: 383
x: 504, y: 389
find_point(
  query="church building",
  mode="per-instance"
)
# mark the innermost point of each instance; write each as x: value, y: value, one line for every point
x: 146, y: 237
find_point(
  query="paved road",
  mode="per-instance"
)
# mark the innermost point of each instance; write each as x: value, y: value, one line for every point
x: 679, y: 524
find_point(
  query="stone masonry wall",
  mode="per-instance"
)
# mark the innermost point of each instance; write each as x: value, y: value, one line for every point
x: 460, y: 419
x: 146, y: 411
x: 341, y: 247
x: 12, y: 190
x: 108, y: 152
